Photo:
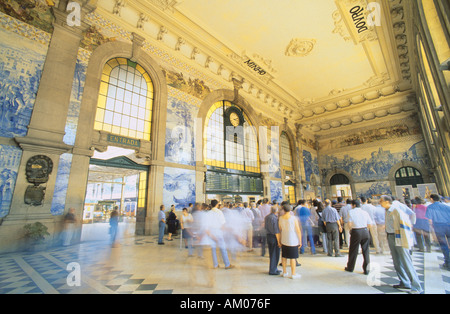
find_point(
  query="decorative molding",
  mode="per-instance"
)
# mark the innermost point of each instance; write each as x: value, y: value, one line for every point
x: 118, y: 5
x: 162, y: 31
x: 165, y: 5
x: 377, y: 80
x: 400, y: 32
x: 143, y: 18
x: 180, y: 42
x: 300, y: 47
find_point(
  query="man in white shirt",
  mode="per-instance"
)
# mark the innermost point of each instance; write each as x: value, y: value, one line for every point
x: 359, y: 221
x: 216, y: 224
x: 370, y: 209
x: 345, y: 216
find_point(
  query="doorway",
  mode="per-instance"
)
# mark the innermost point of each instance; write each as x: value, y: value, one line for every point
x: 114, y: 182
x: 340, y: 187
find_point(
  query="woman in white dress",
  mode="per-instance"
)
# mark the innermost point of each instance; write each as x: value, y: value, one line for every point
x: 290, y: 240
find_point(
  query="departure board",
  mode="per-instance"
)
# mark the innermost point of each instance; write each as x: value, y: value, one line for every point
x: 229, y: 183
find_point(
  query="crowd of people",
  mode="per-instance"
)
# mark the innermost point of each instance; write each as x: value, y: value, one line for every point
x: 386, y: 224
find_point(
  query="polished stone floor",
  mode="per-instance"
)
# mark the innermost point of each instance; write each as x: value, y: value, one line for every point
x: 139, y: 266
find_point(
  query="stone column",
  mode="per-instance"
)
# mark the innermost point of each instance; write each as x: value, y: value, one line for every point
x: 47, y: 126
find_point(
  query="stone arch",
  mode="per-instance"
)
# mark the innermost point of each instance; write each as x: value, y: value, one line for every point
x: 406, y: 163
x: 97, y: 60
x: 225, y: 95
x: 330, y: 174
x: 228, y: 95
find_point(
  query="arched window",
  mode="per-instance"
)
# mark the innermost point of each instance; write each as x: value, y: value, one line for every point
x: 339, y: 179
x: 408, y: 176
x: 286, y: 152
x: 237, y: 151
x: 125, y: 101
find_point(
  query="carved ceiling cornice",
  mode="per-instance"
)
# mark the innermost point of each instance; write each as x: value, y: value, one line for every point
x: 367, y: 112
x: 377, y: 87
x: 176, y: 32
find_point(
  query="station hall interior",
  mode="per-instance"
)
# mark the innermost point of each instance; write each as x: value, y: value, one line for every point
x: 113, y: 108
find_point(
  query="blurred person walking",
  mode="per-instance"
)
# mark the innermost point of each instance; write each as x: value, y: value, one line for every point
x: 186, y: 223
x: 248, y: 217
x: 69, y: 226
x: 439, y: 216
x: 257, y: 224
x: 215, y: 226
x: 264, y: 210
x: 114, y: 226
x: 370, y: 209
x: 422, y: 225
x: 304, y: 215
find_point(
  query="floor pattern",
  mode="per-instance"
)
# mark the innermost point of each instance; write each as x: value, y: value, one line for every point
x: 389, y: 276
x: 47, y: 272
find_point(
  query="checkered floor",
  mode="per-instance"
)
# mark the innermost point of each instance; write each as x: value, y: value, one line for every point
x: 389, y: 276
x: 140, y: 266
x: 46, y: 272
x: 445, y: 276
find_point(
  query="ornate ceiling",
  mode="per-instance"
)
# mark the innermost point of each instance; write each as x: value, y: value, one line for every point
x: 318, y: 63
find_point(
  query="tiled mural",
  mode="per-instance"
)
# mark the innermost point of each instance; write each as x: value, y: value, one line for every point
x: 36, y: 13
x: 276, y: 191
x: 21, y: 63
x: 370, y: 190
x: 376, y: 164
x: 311, y: 165
x: 179, y: 187
x: 62, y: 182
x: 274, y: 157
x: 9, y: 166
x: 180, y: 126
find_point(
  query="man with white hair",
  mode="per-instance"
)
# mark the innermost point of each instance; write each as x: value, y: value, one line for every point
x: 400, y: 239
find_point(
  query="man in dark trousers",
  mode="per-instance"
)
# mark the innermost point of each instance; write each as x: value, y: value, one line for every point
x: 332, y: 222
x: 359, y: 221
x: 439, y: 215
x: 273, y: 240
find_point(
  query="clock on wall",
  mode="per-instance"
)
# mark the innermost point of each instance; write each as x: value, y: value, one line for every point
x: 234, y: 117
x: 234, y: 120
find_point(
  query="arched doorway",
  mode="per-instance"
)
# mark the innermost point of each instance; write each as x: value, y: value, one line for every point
x: 340, y: 186
x: 115, y: 180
